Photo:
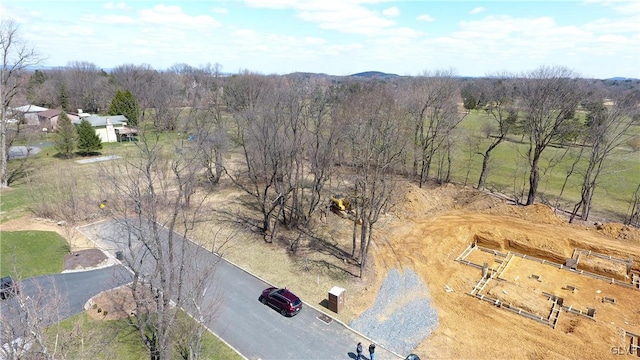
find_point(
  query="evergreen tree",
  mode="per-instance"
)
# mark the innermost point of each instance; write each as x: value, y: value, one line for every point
x: 124, y: 103
x: 65, y: 136
x: 35, y: 81
x: 63, y: 97
x: 88, y: 141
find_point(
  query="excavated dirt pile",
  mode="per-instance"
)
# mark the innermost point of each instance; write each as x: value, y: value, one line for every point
x: 432, y: 227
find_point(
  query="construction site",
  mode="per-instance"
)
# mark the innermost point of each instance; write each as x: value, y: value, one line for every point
x: 511, y: 281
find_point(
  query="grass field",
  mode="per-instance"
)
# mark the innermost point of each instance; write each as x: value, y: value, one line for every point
x: 509, y: 170
x: 25, y: 254
x: 13, y: 203
x: 116, y: 339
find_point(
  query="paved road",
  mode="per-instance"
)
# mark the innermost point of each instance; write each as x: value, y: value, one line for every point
x: 255, y: 330
x: 73, y: 289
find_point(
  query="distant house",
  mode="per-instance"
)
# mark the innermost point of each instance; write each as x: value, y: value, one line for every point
x: 48, y: 119
x: 107, y: 127
x: 29, y: 112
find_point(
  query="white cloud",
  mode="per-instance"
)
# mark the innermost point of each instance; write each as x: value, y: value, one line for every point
x: 171, y: 16
x: 219, y: 10
x: 425, y: 17
x: 346, y: 16
x: 109, y: 5
x: 272, y: 4
x: 622, y: 6
x: 477, y: 10
x: 109, y: 19
x: 392, y: 11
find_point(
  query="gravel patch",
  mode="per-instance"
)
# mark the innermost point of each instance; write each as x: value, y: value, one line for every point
x: 18, y: 152
x: 97, y: 159
x: 402, y: 315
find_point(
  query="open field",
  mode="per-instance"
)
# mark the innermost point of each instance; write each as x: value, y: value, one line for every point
x: 99, y: 338
x: 509, y: 169
x: 30, y: 253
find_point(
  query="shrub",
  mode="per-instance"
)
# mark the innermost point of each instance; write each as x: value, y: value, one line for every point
x: 634, y: 143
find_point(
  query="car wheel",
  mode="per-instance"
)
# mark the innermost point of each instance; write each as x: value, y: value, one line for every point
x: 263, y: 300
x: 283, y: 312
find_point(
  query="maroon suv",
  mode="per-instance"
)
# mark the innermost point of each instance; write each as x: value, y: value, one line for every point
x: 282, y: 300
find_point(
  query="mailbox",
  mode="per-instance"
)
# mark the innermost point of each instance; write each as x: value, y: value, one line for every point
x: 336, y: 299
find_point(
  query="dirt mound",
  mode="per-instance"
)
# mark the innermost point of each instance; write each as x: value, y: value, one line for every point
x: 619, y: 231
x: 113, y: 304
x: 434, y: 199
x: 84, y: 259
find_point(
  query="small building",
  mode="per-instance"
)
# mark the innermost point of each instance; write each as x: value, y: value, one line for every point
x: 48, y: 119
x: 106, y: 126
x: 29, y: 112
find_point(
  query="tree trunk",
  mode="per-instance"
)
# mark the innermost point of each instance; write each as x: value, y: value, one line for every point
x: 485, y: 163
x: 534, y: 179
x: 3, y: 132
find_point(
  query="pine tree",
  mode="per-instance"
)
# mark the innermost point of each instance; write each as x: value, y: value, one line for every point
x: 63, y: 97
x: 124, y: 103
x: 35, y: 81
x: 88, y: 141
x: 65, y: 136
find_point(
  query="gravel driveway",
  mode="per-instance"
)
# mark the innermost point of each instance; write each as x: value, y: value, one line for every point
x: 402, y: 315
x: 17, y: 152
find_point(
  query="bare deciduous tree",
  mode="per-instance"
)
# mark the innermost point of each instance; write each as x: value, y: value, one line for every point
x: 376, y: 146
x: 86, y: 85
x: 263, y: 135
x: 432, y: 105
x: 152, y: 198
x: 26, y: 317
x: 549, y: 97
x: 324, y: 132
x: 500, y: 105
x: 206, y: 122
x: 607, y: 128
x: 166, y: 100
x: 139, y: 80
x: 16, y: 57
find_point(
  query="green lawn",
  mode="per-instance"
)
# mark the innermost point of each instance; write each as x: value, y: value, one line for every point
x: 85, y: 338
x: 13, y: 203
x: 509, y: 170
x: 25, y: 254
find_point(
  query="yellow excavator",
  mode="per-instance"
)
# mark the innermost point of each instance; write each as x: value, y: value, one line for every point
x: 339, y: 202
x: 340, y: 205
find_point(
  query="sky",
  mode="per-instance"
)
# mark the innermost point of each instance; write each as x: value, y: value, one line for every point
x: 594, y: 38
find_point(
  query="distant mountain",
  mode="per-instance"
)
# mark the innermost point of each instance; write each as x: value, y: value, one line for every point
x: 374, y: 75
x: 307, y: 75
x: 620, y: 78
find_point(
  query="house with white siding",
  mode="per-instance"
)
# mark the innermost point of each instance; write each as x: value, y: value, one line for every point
x: 108, y: 127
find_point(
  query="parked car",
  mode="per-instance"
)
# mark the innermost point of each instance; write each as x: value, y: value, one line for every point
x: 283, y: 300
x: 8, y: 287
x: 412, y: 357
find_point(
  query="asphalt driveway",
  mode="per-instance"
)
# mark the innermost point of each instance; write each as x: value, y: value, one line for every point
x: 72, y: 289
x: 254, y: 330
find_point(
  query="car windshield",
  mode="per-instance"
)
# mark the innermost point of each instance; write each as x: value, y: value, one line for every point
x: 296, y: 302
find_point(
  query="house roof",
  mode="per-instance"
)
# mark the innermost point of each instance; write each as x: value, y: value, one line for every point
x: 97, y: 120
x: 30, y: 108
x: 48, y: 114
